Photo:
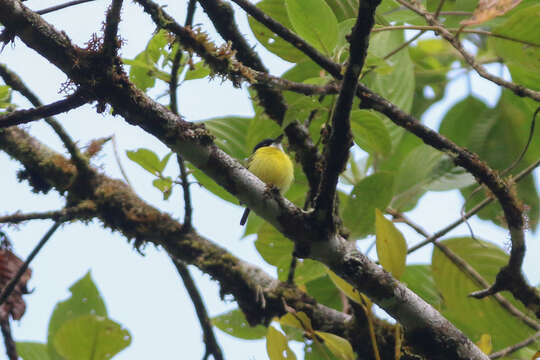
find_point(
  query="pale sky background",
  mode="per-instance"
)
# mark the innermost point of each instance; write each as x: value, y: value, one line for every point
x: 145, y: 294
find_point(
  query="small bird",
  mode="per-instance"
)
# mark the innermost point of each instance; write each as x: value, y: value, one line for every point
x: 270, y: 164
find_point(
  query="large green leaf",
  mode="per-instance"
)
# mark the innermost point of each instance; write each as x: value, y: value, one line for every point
x: 28, y: 350
x: 498, y: 136
x: 230, y: 133
x: 235, y: 324
x: 398, y: 85
x: 85, y: 300
x: 277, y: 250
x: 315, y: 22
x: 476, y: 317
x: 370, y: 133
x: 344, y: 9
x: 523, y: 60
x: 91, y: 337
x: 325, y: 292
x: 372, y: 192
x: 275, y: 44
x: 419, y: 279
x: 425, y: 169
x: 210, y: 185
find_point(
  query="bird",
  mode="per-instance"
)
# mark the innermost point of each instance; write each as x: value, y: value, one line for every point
x: 272, y: 165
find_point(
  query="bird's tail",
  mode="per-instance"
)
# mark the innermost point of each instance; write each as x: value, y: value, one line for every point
x: 244, y: 217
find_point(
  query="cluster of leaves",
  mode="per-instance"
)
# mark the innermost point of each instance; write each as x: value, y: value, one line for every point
x: 79, y: 328
x: 388, y: 168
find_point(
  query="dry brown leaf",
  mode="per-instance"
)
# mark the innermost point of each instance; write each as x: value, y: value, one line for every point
x: 9, y: 265
x: 489, y: 9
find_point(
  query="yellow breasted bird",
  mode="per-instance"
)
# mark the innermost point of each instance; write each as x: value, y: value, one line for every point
x: 270, y: 164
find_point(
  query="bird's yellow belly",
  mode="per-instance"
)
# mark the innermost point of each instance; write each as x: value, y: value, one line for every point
x: 273, y: 167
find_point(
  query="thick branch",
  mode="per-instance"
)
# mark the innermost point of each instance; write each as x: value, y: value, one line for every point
x: 110, y: 41
x: 337, y: 150
x: 25, y: 116
x: 427, y: 330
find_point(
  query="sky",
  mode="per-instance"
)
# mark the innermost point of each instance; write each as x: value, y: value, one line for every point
x: 144, y: 293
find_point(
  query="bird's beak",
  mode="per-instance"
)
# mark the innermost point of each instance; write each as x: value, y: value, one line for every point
x: 278, y: 139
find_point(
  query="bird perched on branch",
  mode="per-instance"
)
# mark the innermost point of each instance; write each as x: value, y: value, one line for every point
x: 270, y: 164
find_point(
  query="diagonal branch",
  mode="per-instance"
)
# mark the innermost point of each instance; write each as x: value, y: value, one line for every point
x: 337, y: 150
x: 25, y: 116
x: 212, y: 346
x: 110, y: 41
x: 424, y: 327
x: 517, y: 89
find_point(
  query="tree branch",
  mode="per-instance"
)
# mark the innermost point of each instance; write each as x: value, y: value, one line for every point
x: 9, y: 343
x: 212, y: 346
x: 25, y: 116
x: 515, y: 347
x: 61, y: 6
x: 517, y: 89
x: 337, y: 151
x: 425, y: 328
x: 83, y: 210
x: 110, y: 41
x: 8, y: 289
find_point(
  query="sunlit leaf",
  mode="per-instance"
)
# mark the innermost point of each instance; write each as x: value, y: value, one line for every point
x: 90, y: 337
x: 271, y: 41
x: 200, y: 70
x: 234, y: 323
x: 485, y: 344
x: 476, y: 317
x: 85, y: 300
x: 277, y: 346
x: 147, y: 159
x: 337, y: 345
x: 391, y: 245
x: 345, y: 287
x: 315, y: 22
x: 32, y: 351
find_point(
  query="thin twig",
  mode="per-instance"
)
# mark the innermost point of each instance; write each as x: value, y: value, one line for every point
x: 8, y: 289
x: 192, y: 6
x: 466, y: 31
x: 188, y: 209
x: 25, y: 116
x: 9, y: 343
x: 470, y: 213
x: 519, y: 90
x: 84, y: 210
x: 61, y: 6
x: 212, y: 346
x: 439, y: 8
x: 515, y: 347
x: 117, y: 157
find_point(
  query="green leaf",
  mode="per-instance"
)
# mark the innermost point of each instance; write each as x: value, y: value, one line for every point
x: 419, y: 279
x: 28, y: 350
x: 235, y: 324
x: 147, y: 159
x: 476, y: 317
x: 345, y: 287
x: 5, y: 96
x: 271, y: 41
x: 325, y: 292
x: 397, y: 86
x: 498, y: 136
x: 141, y: 72
x: 230, y: 133
x: 370, y: 133
x: 277, y: 346
x: 344, y: 9
x: 199, y: 71
x: 163, y: 162
x: 210, y: 185
x: 391, y: 245
x: 85, y: 300
x: 164, y: 185
x: 299, y: 320
x: 337, y: 345
x: 300, y: 110
x: 91, y: 337
x: 424, y: 169
x: 374, y: 191
x: 315, y: 22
